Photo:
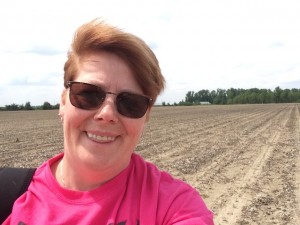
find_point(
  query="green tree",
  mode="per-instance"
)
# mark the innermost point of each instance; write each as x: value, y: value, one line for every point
x: 221, y: 97
x: 190, y: 97
x: 277, y: 93
x: 56, y: 106
x: 243, y: 96
x: 28, y: 106
x: 46, y: 106
x: 12, y: 107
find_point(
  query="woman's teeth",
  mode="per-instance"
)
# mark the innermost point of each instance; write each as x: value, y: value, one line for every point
x: 100, y: 138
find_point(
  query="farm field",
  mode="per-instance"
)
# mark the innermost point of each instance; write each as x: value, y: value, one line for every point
x: 243, y: 159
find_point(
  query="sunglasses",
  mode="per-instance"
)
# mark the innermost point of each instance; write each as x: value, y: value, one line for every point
x: 88, y: 96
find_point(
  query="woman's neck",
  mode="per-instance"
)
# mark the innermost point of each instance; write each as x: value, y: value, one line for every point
x: 81, y: 179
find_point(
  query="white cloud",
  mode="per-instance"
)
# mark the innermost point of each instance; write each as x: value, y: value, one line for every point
x: 200, y: 44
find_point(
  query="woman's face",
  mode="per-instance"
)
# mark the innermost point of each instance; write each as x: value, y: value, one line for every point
x: 101, y: 139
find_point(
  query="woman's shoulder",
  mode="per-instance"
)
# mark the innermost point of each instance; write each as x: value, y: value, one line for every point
x: 173, y: 195
x: 165, y: 180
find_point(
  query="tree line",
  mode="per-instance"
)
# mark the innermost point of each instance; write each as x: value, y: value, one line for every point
x: 241, y: 96
x: 218, y: 97
x: 27, y: 106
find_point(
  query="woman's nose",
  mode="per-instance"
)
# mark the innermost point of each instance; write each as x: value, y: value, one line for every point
x: 108, y: 111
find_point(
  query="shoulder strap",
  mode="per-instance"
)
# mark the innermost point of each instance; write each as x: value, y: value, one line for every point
x: 13, y: 183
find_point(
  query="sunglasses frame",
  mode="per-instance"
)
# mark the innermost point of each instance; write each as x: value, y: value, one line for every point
x: 117, y: 102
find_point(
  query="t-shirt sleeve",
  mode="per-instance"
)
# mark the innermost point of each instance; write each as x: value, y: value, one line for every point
x: 184, y: 206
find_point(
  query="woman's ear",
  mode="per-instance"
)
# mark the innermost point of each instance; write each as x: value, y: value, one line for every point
x: 63, y: 99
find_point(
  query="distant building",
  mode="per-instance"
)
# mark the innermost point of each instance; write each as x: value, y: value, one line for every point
x: 204, y: 103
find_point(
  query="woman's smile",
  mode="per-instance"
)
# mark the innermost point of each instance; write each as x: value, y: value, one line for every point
x: 101, y: 138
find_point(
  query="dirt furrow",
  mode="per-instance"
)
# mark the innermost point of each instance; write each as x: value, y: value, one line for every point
x: 247, y: 195
x: 168, y: 145
x: 274, y: 193
x: 244, y: 159
x: 297, y: 165
x: 240, y: 197
x: 233, y: 165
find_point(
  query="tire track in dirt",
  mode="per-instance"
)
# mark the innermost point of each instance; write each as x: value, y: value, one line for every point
x: 297, y: 182
x: 246, y: 138
x: 195, y: 131
x: 275, y: 193
x: 225, y: 160
x: 239, y: 193
x: 231, y: 213
x: 198, y: 151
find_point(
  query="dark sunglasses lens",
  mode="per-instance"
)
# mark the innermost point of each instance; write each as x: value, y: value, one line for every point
x: 86, y: 96
x: 132, y: 105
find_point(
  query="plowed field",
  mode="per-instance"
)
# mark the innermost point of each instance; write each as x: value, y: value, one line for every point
x: 244, y: 159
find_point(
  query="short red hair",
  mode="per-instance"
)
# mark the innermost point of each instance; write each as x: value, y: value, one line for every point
x: 98, y: 36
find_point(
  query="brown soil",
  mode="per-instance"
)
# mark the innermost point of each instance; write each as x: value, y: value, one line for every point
x: 244, y: 159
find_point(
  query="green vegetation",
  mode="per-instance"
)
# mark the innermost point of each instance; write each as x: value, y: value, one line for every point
x: 240, y: 96
x: 27, y: 106
x: 217, y: 97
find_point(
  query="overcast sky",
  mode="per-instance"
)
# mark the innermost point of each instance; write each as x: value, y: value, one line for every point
x: 201, y: 44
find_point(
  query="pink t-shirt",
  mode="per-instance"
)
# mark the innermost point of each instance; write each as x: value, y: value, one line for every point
x: 139, y: 195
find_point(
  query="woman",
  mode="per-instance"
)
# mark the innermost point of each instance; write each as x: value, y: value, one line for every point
x: 111, y: 80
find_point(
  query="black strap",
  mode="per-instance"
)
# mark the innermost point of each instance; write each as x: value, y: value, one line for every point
x: 13, y: 183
